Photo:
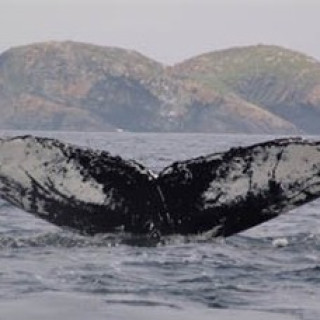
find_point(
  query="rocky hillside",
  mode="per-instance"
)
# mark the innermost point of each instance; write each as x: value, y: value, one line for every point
x: 284, y: 82
x: 75, y: 86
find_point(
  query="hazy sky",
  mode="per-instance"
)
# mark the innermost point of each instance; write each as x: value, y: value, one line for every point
x: 167, y: 30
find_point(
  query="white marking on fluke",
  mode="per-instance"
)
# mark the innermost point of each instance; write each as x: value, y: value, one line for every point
x: 26, y: 160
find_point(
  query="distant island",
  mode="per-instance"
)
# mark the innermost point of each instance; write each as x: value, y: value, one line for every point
x: 74, y: 86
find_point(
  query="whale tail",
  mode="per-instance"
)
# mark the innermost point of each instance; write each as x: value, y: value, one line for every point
x: 94, y: 192
x: 233, y: 191
x: 87, y: 190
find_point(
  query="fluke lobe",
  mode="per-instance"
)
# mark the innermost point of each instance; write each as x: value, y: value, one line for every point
x: 94, y: 192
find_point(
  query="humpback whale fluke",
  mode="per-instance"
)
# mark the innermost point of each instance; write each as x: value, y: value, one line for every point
x: 233, y: 191
x: 94, y: 192
x: 87, y: 190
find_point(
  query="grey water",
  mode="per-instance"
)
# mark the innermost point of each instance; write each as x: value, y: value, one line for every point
x: 269, y: 272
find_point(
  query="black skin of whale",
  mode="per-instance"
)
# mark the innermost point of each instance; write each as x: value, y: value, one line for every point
x: 94, y: 192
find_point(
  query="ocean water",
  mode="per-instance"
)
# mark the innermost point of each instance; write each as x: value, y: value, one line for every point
x: 269, y: 272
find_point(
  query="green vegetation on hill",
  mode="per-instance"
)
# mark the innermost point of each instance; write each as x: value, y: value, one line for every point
x: 279, y: 80
x: 76, y: 86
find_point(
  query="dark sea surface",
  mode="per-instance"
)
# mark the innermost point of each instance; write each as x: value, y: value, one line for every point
x: 269, y: 272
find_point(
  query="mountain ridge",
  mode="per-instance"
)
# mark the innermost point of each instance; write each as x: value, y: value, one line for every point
x: 77, y: 86
x: 282, y: 81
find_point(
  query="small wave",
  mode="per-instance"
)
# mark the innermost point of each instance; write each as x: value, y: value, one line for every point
x: 308, y: 274
x: 51, y: 239
x: 69, y: 239
x: 186, y: 239
x: 66, y: 239
x: 5, y: 204
x: 305, y: 242
x: 140, y: 303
